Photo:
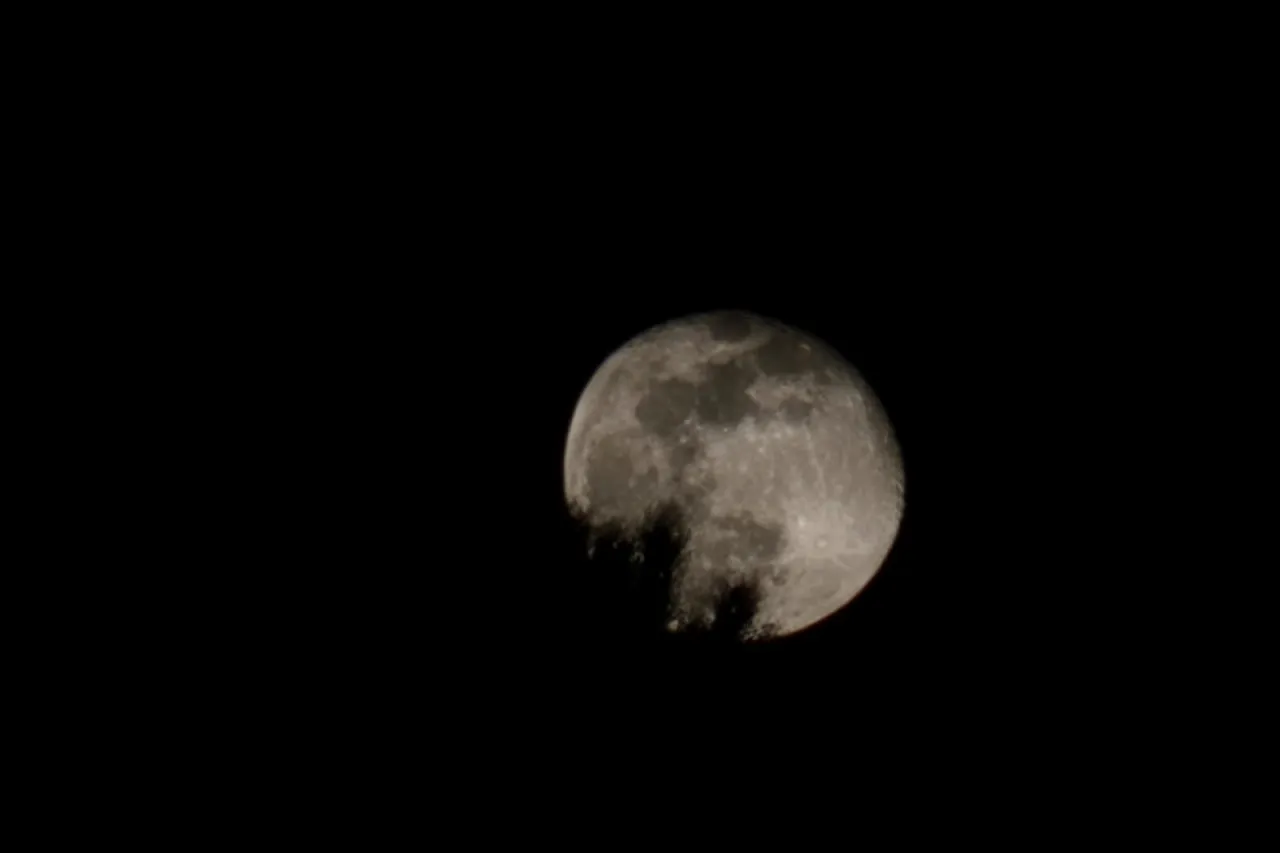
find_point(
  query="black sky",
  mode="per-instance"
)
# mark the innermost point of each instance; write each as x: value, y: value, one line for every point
x: 437, y: 309
x: 434, y: 560
x: 397, y: 254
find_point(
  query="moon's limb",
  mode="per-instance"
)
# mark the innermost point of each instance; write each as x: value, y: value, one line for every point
x: 778, y: 452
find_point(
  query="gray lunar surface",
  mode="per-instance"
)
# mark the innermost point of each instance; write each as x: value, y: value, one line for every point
x: 779, y: 457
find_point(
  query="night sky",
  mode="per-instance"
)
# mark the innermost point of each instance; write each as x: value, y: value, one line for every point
x: 435, y: 565
x: 397, y: 265
x: 416, y: 373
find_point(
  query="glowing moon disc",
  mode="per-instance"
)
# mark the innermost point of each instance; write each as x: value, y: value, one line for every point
x: 777, y: 453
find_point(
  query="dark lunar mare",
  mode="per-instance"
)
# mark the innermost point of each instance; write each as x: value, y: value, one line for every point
x: 612, y: 477
x: 729, y: 326
x: 665, y: 405
x: 722, y: 397
x: 682, y: 454
x: 795, y: 411
x: 784, y: 355
x: 748, y: 539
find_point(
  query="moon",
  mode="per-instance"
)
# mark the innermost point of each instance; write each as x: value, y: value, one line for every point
x: 778, y: 455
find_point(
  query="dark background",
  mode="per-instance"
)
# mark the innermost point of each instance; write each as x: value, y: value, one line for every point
x: 327, y: 291
x: 341, y: 283
x: 428, y: 564
x: 421, y: 286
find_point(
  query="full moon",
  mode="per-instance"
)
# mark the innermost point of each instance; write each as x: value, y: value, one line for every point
x: 779, y: 457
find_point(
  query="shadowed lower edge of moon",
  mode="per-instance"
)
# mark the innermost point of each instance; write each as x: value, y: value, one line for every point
x: 693, y: 604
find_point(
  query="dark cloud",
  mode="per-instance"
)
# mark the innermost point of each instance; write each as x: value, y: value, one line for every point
x: 735, y: 606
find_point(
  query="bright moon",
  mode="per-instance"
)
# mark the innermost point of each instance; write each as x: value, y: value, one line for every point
x: 778, y: 455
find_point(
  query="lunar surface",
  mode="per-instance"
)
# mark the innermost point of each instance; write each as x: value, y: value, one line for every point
x: 779, y: 457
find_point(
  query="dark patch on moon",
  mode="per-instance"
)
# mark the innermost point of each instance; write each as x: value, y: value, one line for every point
x: 665, y: 406
x: 795, y: 411
x: 633, y: 573
x: 722, y: 396
x: 696, y: 509
x: 682, y: 454
x: 773, y: 574
x: 612, y: 478
x: 606, y: 473
x: 747, y: 539
x: 736, y: 603
x: 729, y: 326
x: 785, y: 355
